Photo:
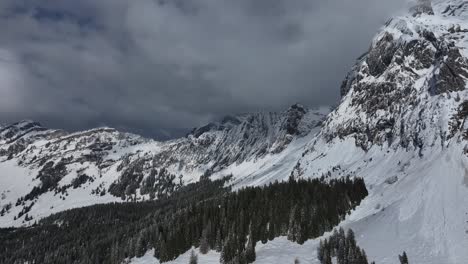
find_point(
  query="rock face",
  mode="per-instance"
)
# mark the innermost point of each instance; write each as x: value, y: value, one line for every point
x: 401, y: 125
x: 102, y: 165
x: 237, y: 139
x: 388, y: 92
x: 422, y: 7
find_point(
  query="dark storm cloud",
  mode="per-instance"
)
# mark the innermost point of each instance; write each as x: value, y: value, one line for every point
x: 161, y: 67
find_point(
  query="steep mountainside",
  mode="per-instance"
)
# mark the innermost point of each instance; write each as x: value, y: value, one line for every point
x: 402, y: 126
x: 45, y: 171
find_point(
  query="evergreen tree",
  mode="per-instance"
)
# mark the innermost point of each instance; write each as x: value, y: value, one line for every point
x: 363, y: 258
x: 343, y: 247
x: 115, y: 258
x: 229, y: 249
x: 403, y: 258
x: 130, y: 247
x: 341, y: 255
x: 204, y: 245
x: 292, y: 229
x: 218, y: 241
x: 193, y: 257
x: 250, y: 249
x: 320, y: 252
x: 140, y: 246
x: 328, y: 258
x: 163, y: 251
x: 351, y: 238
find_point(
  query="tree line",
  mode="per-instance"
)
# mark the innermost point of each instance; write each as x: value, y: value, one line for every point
x: 343, y: 248
x: 204, y: 214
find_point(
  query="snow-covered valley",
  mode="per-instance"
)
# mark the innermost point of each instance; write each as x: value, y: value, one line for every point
x: 401, y: 126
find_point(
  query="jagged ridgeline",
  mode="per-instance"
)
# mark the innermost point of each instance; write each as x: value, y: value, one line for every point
x: 204, y: 214
x: 53, y: 170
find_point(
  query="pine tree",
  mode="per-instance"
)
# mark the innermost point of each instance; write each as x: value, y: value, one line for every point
x: 163, y: 251
x: 218, y: 242
x: 193, y: 258
x: 250, y: 249
x: 341, y: 255
x: 327, y: 258
x: 403, y: 258
x: 140, y: 246
x: 351, y: 238
x: 343, y: 247
x: 115, y: 252
x: 363, y: 259
x: 320, y: 252
x: 204, y: 245
x: 229, y: 249
x: 292, y: 228
x: 131, y: 247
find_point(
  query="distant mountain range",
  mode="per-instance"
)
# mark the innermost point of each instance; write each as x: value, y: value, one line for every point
x: 46, y: 170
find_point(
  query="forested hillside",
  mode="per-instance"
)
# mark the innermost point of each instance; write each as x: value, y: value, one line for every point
x: 204, y: 214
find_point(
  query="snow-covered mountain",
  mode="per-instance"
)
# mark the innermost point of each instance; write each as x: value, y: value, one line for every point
x: 45, y: 171
x: 401, y: 125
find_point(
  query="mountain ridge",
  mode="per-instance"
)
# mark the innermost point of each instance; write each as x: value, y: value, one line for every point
x: 401, y: 126
x: 104, y: 165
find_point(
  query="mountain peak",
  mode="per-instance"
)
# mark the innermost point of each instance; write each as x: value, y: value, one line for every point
x: 416, y: 64
x: 297, y: 107
x: 25, y: 124
x: 292, y: 117
x: 422, y: 7
x: 11, y: 131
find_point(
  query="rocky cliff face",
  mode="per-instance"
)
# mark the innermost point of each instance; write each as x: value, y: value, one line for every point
x: 250, y: 136
x: 413, y: 76
x: 39, y: 166
x: 422, y: 7
x: 401, y: 125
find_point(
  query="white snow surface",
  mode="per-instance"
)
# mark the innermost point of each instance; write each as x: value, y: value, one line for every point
x: 279, y: 250
x: 418, y: 193
x: 253, y: 148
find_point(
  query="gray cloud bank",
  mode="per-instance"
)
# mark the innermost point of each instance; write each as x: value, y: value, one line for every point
x: 161, y: 67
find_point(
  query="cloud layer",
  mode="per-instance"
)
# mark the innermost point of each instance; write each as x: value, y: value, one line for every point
x: 159, y: 67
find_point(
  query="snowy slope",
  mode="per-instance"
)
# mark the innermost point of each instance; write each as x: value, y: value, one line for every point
x: 401, y: 125
x: 280, y: 250
x: 44, y: 171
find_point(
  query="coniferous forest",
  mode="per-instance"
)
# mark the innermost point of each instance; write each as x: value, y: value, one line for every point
x: 343, y: 248
x: 204, y: 214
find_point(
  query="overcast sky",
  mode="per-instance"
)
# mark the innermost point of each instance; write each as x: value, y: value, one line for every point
x: 161, y: 67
